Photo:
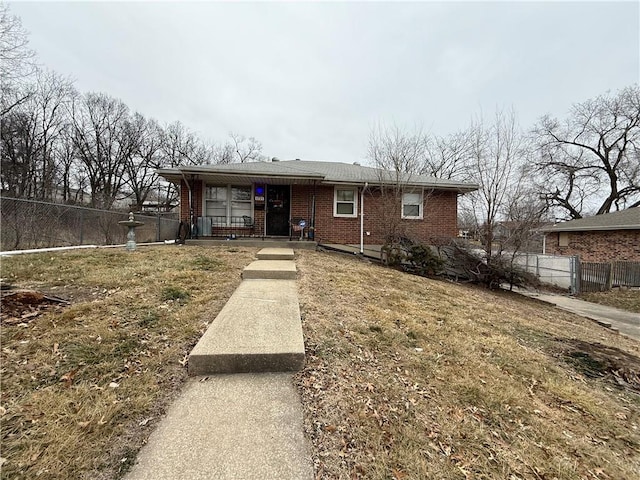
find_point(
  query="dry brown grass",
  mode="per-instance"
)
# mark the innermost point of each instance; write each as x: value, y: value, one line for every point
x: 408, y: 377
x: 83, y: 385
x: 628, y: 299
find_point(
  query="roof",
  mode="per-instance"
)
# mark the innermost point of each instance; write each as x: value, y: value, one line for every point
x: 308, y: 172
x: 623, y: 220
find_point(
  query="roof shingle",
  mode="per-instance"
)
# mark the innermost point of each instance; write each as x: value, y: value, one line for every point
x: 628, y: 219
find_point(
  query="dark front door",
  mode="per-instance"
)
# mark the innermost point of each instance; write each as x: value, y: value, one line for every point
x: 278, y: 210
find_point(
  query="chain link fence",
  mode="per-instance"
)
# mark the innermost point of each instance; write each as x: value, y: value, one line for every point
x: 30, y: 224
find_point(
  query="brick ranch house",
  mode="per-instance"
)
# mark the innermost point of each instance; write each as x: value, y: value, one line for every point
x: 603, y: 238
x: 338, y: 202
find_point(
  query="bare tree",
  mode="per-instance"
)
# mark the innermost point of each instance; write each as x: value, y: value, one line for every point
x: 448, y: 157
x: 141, y: 177
x: 246, y: 149
x: 239, y: 149
x: 52, y: 97
x: 495, y: 150
x: 396, y: 151
x: 179, y: 146
x: 398, y: 156
x: 29, y: 134
x: 103, y: 141
x: 18, y: 154
x: 17, y: 61
x: 591, y: 160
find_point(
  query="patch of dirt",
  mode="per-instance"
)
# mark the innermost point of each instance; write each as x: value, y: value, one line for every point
x: 23, y: 306
x: 596, y: 360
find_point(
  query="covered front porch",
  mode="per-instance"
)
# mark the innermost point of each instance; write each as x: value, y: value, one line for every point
x: 266, y: 242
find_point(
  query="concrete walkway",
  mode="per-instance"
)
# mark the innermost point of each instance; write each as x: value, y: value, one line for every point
x: 627, y: 323
x: 240, y: 426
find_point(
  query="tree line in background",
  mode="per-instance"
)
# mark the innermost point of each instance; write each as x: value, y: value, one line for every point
x: 61, y: 145
x: 585, y: 164
x: 58, y: 144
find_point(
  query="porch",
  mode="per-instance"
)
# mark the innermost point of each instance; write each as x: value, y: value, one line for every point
x: 232, y: 228
x: 256, y: 242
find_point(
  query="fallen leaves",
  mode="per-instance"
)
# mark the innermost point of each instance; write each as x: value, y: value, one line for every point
x: 68, y: 377
x: 435, y: 384
x: 21, y: 307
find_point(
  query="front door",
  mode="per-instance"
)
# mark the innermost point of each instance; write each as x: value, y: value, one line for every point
x: 278, y: 211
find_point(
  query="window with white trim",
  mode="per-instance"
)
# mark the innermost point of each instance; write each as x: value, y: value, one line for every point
x: 345, y: 202
x: 412, y: 204
x: 227, y: 204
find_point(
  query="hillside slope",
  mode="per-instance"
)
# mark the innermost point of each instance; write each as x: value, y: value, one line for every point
x: 408, y: 377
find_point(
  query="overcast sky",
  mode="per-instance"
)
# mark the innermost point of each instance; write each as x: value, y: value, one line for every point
x: 310, y: 80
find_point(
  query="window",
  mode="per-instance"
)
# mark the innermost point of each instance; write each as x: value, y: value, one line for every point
x: 227, y: 204
x: 345, y: 202
x: 412, y: 205
x: 240, y: 201
x: 563, y: 239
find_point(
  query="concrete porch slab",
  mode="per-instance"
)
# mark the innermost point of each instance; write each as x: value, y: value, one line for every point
x: 270, y: 269
x: 275, y: 254
x: 254, y: 242
x: 258, y: 330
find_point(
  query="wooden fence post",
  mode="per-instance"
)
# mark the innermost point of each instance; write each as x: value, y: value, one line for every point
x: 610, y: 276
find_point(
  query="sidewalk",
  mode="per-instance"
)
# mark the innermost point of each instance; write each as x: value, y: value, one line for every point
x: 244, y: 427
x: 627, y: 323
x: 241, y: 417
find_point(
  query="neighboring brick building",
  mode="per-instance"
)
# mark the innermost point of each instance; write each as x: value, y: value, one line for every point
x: 266, y: 199
x: 602, y: 238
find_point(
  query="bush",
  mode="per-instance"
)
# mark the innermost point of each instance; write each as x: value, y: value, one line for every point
x: 413, y: 257
x: 461, y: 263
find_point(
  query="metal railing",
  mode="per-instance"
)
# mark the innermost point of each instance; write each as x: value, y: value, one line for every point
x: 223, y: 226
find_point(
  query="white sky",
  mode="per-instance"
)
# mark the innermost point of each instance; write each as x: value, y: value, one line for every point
x: 310, y: 80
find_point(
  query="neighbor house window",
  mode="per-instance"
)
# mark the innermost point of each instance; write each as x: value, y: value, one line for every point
x: 563, y: 239
x: 412, y: 204
x: 345, y: 202
x: 227, y: 205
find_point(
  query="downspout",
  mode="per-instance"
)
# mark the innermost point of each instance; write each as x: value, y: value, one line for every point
x: 312, y: 223
x: 544, y: 244
x: 362, y: 217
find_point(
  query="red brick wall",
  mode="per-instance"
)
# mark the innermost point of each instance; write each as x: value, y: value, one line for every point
x: 380, y: 211
x: 383, y: 213
x: 184, y: 201
x: 603, y: 246
x: 197, y: 190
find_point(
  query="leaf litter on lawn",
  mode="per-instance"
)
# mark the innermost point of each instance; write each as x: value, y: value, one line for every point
x: 408, y: 377
x: 84, y: 384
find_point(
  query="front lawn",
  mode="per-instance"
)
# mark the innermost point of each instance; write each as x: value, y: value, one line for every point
x: 627, y: 299
x: 406, y: 377
x: 84, y: 384
x: 410, y: 378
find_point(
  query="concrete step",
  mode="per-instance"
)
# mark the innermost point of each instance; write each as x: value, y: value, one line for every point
x: 270, y: 269
x: 258, y: 330
x: 275, y: 254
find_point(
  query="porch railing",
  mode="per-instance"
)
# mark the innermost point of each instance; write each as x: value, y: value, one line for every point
x: 222, y: 226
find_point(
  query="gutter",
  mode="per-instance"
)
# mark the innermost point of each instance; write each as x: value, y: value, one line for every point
x: 606, y: 228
